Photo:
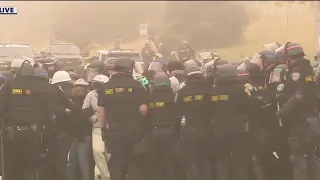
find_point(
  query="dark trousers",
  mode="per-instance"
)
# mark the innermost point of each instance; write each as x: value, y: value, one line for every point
x: 22, y: 155
x: 81, y: 160
x: 58, y: 157
x: 303, y: 159
x: 120, y: 149
x: 230, y: 156
x: 193, y: 148
x: 167, y: 159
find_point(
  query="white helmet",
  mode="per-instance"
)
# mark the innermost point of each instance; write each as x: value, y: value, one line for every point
x: 60, y: 76
x: 81, y: 82
x: 100, y: 78
x: 16, y: 63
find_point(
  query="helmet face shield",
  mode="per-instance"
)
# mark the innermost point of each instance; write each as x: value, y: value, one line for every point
x: 257, y: 60
x: 91, y: 73
x: 156, y: 66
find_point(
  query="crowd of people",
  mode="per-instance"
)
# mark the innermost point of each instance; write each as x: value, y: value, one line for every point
x: 181, y: 119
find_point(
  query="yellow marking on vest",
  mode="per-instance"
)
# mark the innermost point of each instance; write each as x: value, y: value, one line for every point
x: 198, y: 97
x: 308, y: 79
x: 159, y: 104
x: 214, y: 98
x: 119, y: 90
x: 187, y: 99
x: 151, y: 105
x: 109, y: 91
x: 224, y: 97
x: 16, y: 91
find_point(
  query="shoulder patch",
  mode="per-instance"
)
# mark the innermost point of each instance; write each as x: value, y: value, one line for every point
x: 109, y: 91
x: 187, y: 99
x: 248, y: 86
x: 280, y: 87
x: 16, y: 91
x: 27, y: 91
x: 295, y: 76
x: 198, y: 97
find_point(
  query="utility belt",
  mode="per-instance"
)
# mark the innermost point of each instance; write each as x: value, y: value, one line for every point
x: 163, y: 127
x: 13, y: 132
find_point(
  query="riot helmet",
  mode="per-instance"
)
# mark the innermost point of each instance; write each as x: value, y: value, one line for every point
x: 265, y: 60
x: 289, y: 52
x: 175, y: 65
x: 192, y: 62
x: 125, y: 65
x: 161, y: 79
x: 26, y: 70
x: 158, y: 65
x: 193, y: 70
x: 94, y: 68
x: 225, y: 73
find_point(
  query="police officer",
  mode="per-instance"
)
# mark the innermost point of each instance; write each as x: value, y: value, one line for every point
x: 227, y: 132
x: 96, y: 67
x: 263, y: 123
x: 25, y: 113
x: 193, y: 104
x: 297, y: 109
x: 60, y: 140
x: 186, y: 52
x: 122, y: 94
x: 163, y: 125
x: 109, y: 67
x: 209, y: 69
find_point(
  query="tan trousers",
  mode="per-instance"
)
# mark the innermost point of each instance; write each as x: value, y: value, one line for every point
x: 99, y: 154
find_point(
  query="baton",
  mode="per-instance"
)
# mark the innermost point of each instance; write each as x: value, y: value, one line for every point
x: 280, y: 121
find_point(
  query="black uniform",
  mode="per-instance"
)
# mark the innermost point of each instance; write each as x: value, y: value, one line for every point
x: 25, y: 112
x: 298, y: 104
x: 121, y: 99
x: 193, y: 102
x: 163, y: 135
x: 227, y: 131
x: 60, y: 140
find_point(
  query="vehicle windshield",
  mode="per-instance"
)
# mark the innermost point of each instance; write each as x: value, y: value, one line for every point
x: 133, y: 56
x: 64, y: 49
x: 11, y: 52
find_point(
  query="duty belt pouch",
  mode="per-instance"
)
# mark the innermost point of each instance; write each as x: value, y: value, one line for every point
x: 314, y: 125
x: 21, y: 132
